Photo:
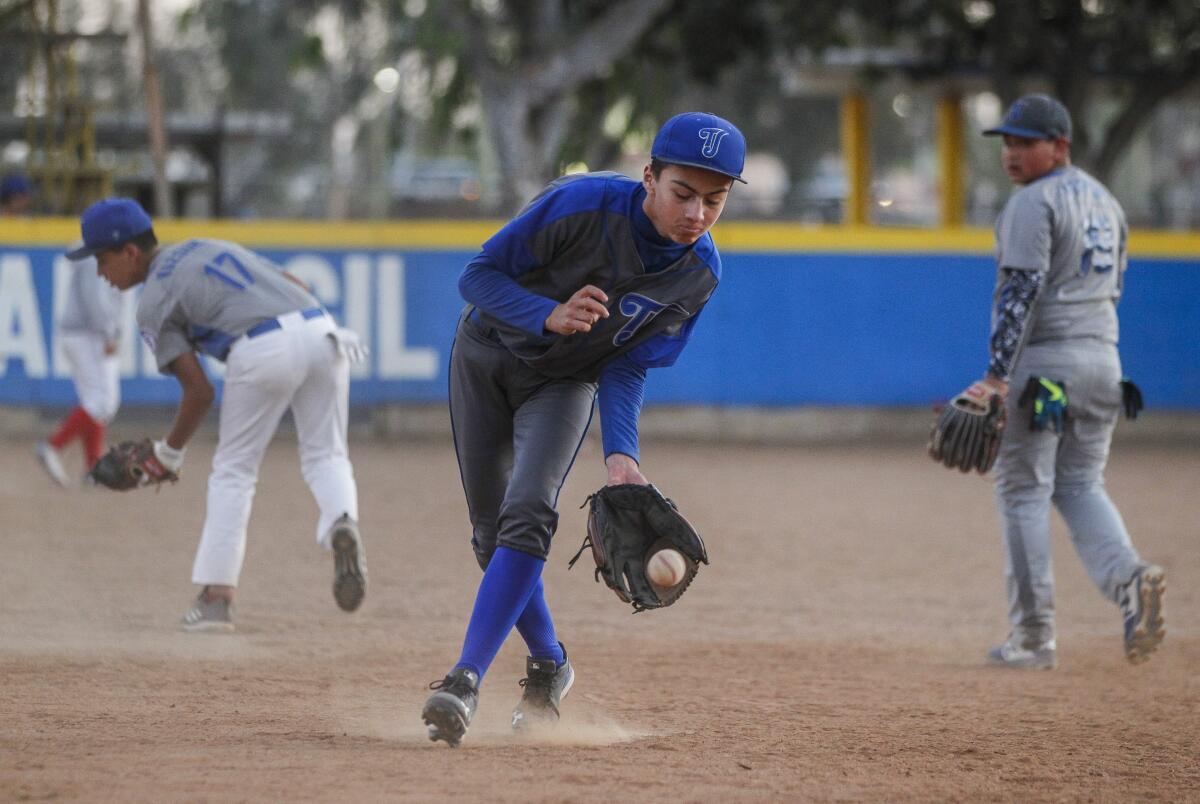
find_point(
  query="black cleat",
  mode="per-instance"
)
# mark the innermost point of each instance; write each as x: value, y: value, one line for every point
x: 349, y: 564
x: 546, y: 684
x: 448, y: 711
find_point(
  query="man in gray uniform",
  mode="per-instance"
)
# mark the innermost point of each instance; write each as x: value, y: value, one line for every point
x: 281, y: 350
x: 1061, y: 257
x: 89, y: 330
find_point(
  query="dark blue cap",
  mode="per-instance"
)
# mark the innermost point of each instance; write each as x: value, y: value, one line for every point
x: 703, y: 140
x: 14, y: 184
x: 1038, y: 117
x: 108, y: 223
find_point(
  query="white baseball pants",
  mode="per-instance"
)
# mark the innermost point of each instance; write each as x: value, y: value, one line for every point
x: 97, y: 376
x: 295, y: 366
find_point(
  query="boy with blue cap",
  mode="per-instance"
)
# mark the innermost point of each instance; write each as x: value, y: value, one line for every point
x: 281, y: 350
x: 16, y: 195
x: 598, y: 279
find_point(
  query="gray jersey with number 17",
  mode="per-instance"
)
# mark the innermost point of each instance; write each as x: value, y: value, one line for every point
x: 202, y: 295
x: 1067, y: 226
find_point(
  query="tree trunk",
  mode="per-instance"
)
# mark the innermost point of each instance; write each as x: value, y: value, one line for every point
x: 527, y: 101
x: 156, y: 125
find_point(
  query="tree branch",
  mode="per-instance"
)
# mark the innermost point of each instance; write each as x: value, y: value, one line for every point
x: 591, y: 53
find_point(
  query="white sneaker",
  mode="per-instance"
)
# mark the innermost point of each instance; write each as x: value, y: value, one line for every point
x: 1043, y: 656
x: 48, y: 456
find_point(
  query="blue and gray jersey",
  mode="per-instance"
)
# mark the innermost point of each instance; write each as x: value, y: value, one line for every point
x: 592, y: 229
x: 1061, y: 253
x: 93, y: 306
x: 202, y: 295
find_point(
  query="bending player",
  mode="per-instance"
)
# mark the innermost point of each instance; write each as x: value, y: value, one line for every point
x: 598, y: 279
x: 281, y: 350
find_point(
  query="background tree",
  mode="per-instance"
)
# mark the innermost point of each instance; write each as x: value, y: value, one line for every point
x: 1132, y: 54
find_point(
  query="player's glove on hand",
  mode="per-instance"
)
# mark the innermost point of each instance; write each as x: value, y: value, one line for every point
x: 1049, y: 400
x: 133, y: 464
x: 966, y: 433
x: 1131, y: 398
x: 627, y: 524
x: 349, y: 345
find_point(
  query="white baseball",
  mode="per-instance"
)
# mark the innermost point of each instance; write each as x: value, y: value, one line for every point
x: 666, y: 568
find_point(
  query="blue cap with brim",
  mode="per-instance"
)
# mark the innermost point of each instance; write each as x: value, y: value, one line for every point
x: 109, y: 223
x: 702, y: 140
x: 1037, y: 117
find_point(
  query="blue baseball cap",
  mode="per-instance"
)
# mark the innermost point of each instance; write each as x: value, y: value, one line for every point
x: 1038, y: 117
x: 109, y: 223
x: 14, y: 184
x: 703, y: 140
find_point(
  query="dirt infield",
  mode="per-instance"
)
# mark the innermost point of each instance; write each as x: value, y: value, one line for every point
x: 832, y: 651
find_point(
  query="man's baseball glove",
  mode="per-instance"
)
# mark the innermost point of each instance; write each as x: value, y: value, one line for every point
x: 966, y: 433
x: 130, y: 465
x: 626, y: 525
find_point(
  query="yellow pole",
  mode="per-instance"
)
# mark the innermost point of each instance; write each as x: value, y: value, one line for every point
x: 856, y: 152
x: 951, y: 156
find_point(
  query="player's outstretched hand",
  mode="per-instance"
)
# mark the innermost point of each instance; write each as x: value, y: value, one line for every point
x: 578, y: 313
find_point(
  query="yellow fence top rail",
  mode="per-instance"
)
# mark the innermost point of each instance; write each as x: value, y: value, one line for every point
x: 467, y: 235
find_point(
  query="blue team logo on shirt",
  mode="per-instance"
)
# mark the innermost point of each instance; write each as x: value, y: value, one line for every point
x: 640, y: 310
x: 712, y: 141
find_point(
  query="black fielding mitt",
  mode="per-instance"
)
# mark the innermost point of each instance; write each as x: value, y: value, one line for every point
x: 966, y: 433
x: 131, y: 465
x: 629, y: 523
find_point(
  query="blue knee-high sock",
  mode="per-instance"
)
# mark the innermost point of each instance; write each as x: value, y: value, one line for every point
x: 507, y: 583
x: 537, y: 628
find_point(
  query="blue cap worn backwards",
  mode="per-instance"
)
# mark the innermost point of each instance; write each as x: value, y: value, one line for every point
x: 1038, y: 117
x: 109, y: 223
x: 703, y: 140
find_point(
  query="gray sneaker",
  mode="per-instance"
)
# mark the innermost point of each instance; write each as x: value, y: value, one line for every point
x: 1142, y: 607
x: 1024, y: 655
x: 349, y: 564
x: 48, y: 457
x: 209, y: 616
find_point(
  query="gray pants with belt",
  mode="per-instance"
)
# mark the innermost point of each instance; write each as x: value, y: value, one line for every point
x: 516, y: 433
x: 1036, y: 468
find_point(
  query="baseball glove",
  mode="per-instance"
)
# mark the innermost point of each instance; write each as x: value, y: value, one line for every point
x: 627, y: 524
x: 966, y: 433
x: 131, y: 465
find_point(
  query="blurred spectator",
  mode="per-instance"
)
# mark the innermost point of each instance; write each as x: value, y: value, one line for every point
x: 16, y: 195
x: 89, y: 329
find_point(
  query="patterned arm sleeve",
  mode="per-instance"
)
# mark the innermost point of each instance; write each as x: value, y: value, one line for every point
x: 1010, y: 321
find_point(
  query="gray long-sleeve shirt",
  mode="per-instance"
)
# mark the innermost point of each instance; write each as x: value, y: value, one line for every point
x: 93, y: 305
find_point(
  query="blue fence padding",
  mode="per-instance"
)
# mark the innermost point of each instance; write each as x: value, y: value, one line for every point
x: 783, y: 329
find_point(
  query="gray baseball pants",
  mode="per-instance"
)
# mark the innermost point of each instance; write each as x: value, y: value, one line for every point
x: 516, y: 433
x: 1034, y: 469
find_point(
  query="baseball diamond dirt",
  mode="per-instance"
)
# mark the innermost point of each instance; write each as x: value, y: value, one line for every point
x: 833, y: 651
